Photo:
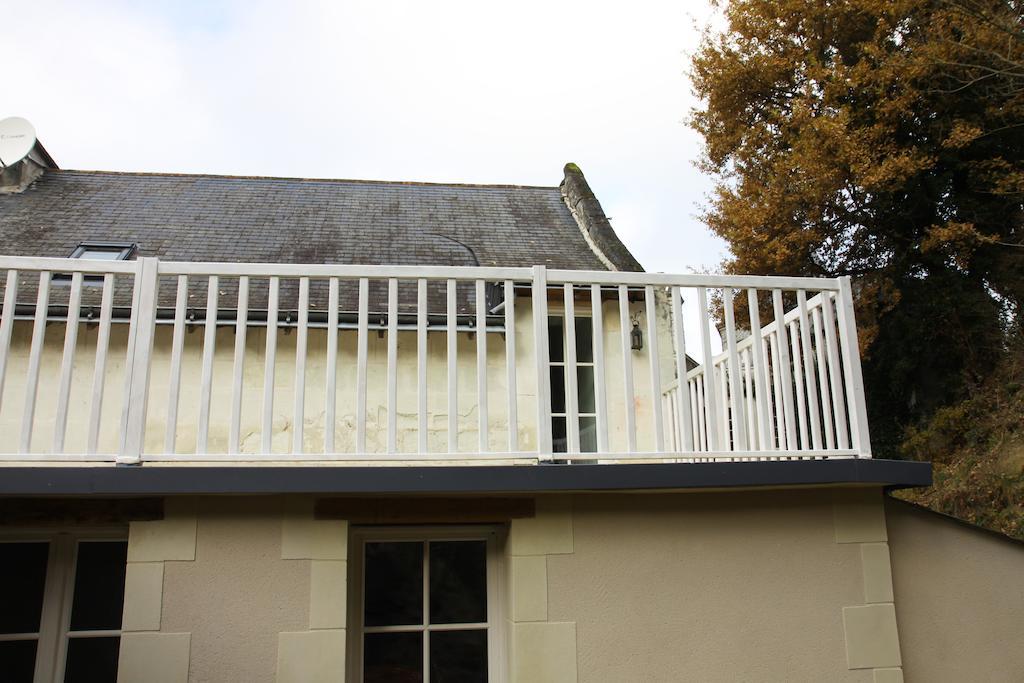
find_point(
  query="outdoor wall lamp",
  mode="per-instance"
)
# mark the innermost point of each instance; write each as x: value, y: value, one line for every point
x: 636, y: 337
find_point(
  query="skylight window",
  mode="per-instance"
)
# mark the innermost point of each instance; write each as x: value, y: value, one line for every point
x: 104, y: 251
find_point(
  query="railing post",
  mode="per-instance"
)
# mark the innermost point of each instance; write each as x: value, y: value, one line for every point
x: 682, y: 384
x: 539, y: 290
x: 860, y: 439
x: 140, y: 349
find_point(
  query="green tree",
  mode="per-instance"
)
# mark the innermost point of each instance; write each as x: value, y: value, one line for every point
x: 882, y: 139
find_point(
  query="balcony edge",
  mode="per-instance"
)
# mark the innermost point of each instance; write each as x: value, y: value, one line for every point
x: 266, y: 480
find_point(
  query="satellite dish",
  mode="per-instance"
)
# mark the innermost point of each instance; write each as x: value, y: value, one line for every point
x: 17, y: 137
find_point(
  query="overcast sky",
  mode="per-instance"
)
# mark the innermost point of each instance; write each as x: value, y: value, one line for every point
x: 444, y: 91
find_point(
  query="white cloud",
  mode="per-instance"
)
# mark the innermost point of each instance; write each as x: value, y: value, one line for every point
x: 450, y: 91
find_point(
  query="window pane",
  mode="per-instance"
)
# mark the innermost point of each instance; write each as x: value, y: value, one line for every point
x: 458, y: 656
x: 393, y: 657
x: 556, y: 339
x: 557, y: 389
x: 22, y: 578
x: 101, y: 254
x: 585, y: 388
x: 588, y: 435
x: 394, y: 584
x: 99, y: 585
x: 584, y: 340
x: 91, y: 660
x: 559, y: 444
x: 18, y: 660
x: 458, y: 582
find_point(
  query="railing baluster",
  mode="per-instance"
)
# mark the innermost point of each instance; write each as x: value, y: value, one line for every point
x: 860, y: 440
x: 572, y: 410
x: 331, y: 380
x: 685, y: 425
x: 654, y: 364
x: 301, y: 342
x: 798, y: 380
x: 723, y: 406
x: 362, y: 341
x: 7, y: 325
x: 786, y: 375
x: 694, y: 417
x: 749, y: 409
x: 767, y: 391
x: 739, y: 431
x: 99, y: 376
x: 422, y: 320
x: 826, y: 405
x: 600, y: 388
x: 238, y: 366
x: 35, y: 354
x: 510, y: 366
x: 812, y: 389
x: 270, y: 363
x: 206, y: 379
x: 392, y: 444
x: 67, y: 363
x: 481, y: 366
x: 671, y: 413
x: 174, y: 381
x: 710, y: 400
x: 453, y: 369
x: 702, y: 420
x: 539, y: 294
x: 835, y: 372
x: 781, y: 416
x: 762, y: 391
x: 627, y: 368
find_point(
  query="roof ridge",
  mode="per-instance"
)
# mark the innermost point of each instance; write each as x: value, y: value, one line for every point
x: 356, y: 181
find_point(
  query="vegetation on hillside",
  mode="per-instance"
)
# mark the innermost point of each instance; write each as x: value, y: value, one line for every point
x: 977, y: 450
x: 884, y: 139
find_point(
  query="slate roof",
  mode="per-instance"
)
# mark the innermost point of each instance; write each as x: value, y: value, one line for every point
x: 291, y: 220
x: 288, y: 220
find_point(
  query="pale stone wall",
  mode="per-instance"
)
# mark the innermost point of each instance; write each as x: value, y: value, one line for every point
x: 210, y: 588
x: 12, y: 405
x: 959, y: 598
x: 540, y: 648
x: 781, y: 585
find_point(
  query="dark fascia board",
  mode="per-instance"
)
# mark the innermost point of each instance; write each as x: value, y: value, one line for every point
x: 490, y: 479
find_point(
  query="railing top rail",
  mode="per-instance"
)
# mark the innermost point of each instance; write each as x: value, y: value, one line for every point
x: 586, y: 277
x: 320, y: 270
x: 67, y: 265
x: 413, y: 272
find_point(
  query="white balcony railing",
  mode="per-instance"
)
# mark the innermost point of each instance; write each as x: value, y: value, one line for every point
x: 244, y: 362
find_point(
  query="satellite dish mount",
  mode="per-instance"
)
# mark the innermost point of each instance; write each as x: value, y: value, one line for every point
x: 17, y: 138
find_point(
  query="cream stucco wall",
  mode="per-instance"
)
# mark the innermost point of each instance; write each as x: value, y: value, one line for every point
x: 709, y: 587
x: 12, y: 405
x: 959, y: 598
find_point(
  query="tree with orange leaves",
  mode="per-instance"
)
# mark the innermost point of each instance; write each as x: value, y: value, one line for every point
x: 882, y: 139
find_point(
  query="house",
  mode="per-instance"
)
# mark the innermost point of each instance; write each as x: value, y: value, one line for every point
x: 275, y: 429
